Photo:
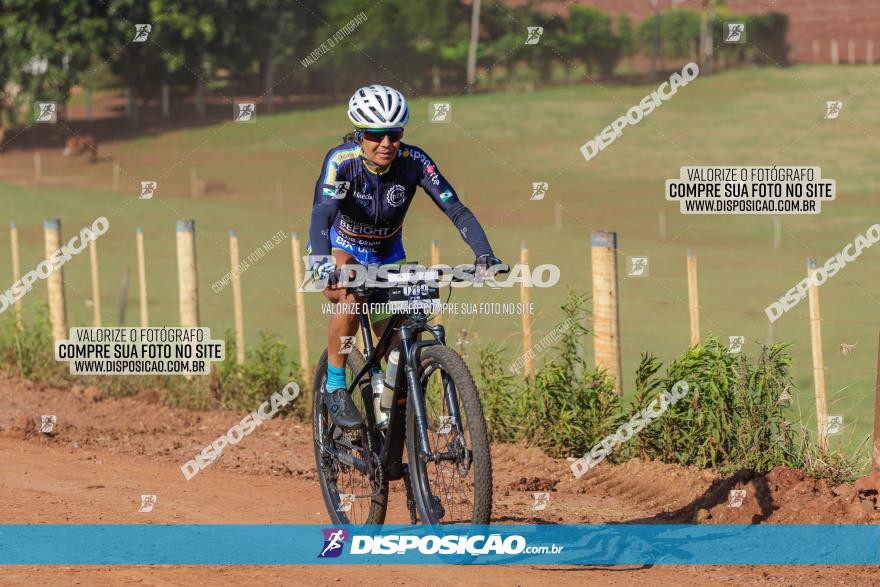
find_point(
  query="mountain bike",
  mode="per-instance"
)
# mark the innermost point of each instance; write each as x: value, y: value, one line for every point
x: 439, y: 418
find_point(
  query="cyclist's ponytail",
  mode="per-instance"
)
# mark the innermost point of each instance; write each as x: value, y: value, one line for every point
x: 353, y: 136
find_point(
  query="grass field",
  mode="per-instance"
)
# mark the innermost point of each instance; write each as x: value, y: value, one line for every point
x: 495, y: 147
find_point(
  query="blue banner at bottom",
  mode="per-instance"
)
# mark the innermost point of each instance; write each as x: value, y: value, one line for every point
x: 624, y: 544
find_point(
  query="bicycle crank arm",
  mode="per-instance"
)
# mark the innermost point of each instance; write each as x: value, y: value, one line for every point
x: 349, y: 460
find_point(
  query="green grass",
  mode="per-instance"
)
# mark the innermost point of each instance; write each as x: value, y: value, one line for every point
x: 495, y: 147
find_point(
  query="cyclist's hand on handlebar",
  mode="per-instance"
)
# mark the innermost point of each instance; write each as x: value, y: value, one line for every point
x: 489, y: 265
x: 326, y: 270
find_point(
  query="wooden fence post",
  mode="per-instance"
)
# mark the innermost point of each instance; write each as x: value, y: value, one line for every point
x: 835, y: 55
x: 142, y: 278
x: 851, y: 52
x: 116, y: 176
x: 606, y: 309
x: 55, y: 282
x: 300, y: 305
x: 524, y: 288
x: 166, y: 99
x: 96, y: 284
x: 16, y: 269
x: 123, y: 295
x: 187, y: 275
x: 129, y: 108
x: 38, y: 167
x: 693, y: 297
x: 236, y: 298
x: 816, y: 50
x: 818, y: 360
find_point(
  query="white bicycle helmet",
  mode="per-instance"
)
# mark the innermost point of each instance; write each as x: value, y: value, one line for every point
x: 378, y: 107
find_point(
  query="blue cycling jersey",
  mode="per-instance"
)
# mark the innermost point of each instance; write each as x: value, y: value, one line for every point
x: 362, y: 212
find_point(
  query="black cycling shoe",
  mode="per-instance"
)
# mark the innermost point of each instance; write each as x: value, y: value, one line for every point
x: 342, y: 410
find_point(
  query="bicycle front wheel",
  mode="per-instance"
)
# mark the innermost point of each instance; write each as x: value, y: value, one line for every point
x: 456, y: 489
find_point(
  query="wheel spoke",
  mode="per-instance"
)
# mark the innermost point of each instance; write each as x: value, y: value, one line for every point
x: 354, y: 497
x: 454, y: 491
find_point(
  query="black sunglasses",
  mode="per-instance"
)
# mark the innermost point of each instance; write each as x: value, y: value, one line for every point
x: 376, y: 136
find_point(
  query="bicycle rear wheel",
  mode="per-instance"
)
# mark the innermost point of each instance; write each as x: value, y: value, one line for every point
x: 349, y: 494
x: 457, y: 491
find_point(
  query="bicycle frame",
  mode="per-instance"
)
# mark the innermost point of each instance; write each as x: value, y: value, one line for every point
x: 410, y: 395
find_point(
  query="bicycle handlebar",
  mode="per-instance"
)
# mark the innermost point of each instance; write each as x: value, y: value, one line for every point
x: 364, y: 288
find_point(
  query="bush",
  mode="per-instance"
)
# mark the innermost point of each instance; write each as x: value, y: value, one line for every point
x: 680, y: 36
x: 732, y: 416
x: 565, y: 408
x: 29, y: 353
x: 502, y: 396
x: 769, y: 36
x: 266, y: 370
x: 568, y: 412
x: 589, y: 38
x: 679, y: 32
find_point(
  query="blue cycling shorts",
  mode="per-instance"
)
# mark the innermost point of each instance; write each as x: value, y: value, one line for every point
x: 392, y: 251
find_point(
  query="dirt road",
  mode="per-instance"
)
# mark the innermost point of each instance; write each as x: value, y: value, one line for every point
x: 108, y: 452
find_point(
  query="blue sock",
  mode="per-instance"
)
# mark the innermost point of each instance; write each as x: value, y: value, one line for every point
x: 335, y: 378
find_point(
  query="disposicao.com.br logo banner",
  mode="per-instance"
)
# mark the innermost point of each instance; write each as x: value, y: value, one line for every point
x: 581, y: 544
x: 474, y: 541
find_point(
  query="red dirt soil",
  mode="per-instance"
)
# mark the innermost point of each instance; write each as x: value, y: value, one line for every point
x: 106, y: 452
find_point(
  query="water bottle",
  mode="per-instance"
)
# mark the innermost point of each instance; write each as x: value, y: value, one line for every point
x: 390, y: 380
x: 377, y: 381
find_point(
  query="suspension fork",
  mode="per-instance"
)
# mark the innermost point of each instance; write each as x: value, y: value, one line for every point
x: 450, y: 394
x: 417, y: 394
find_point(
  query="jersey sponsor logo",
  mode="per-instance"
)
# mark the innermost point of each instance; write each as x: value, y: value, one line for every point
x: 396, y: 195
x: 362, y: 195
x: 363, y: 192
x: 430, y: 168
x: 447, y: 193
x: 364, y: 229
x: 336, y: 160
x: 343, y: 242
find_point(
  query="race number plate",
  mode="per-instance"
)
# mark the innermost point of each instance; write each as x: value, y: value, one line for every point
x: 414, y: 296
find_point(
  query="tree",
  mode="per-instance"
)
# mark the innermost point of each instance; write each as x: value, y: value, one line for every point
x: 628, y: 44
x: 593, y: 41
x: 46, y: 47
